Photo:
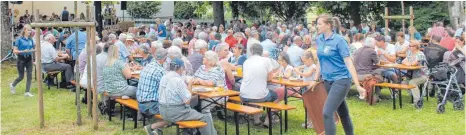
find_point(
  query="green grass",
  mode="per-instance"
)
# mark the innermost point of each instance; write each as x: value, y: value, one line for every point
x: 20, y: 116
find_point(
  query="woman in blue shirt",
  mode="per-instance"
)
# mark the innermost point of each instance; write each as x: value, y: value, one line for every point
x: 23, y: 47
x: 333, y: 54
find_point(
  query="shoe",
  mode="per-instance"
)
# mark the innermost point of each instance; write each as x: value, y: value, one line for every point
x: 12, y: 89
x: 220, y: 115
x: 149, y: 130
x: 309, y: 125
x: 28, y: 94
x: 70, y: 87
x: 158, y: 131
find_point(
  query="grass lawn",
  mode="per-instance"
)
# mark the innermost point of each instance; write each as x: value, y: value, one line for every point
x: 19, y: 115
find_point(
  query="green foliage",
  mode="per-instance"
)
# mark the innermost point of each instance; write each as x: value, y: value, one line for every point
x: 143, y: 9
x: 185, y: 9
x: 283, y: 10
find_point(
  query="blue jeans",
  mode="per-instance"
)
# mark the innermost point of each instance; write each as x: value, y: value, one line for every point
x: 337, y: 91
x: 150, y: 108
x: 272, y: 96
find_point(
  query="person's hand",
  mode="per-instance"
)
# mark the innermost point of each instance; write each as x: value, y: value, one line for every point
x: 196, y: 81
x: 312, y: 85
x: 362, y: 92
x: 379, y: 52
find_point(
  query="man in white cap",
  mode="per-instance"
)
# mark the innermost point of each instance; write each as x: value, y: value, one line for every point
x: 51, y: 59
x: 129, y: 45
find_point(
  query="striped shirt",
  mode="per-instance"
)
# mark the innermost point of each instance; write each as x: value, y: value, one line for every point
x: 149, y: 82
x: 173, y: 90
x: 215, y: 74
x: 114, y: 80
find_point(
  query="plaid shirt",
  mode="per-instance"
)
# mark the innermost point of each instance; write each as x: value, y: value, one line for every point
x: 215, y: 74
x: 115, y: 81
x: 437, y: 31
x: 149, y: 82
x: 173, y: 90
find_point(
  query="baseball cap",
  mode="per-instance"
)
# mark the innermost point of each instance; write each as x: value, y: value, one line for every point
x: 177, y: 62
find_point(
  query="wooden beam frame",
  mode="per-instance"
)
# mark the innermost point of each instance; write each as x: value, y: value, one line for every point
x: 90, y: 28
x: 400, y: 17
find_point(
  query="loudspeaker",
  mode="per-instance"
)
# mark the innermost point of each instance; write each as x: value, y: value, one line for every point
x: 123, y: 5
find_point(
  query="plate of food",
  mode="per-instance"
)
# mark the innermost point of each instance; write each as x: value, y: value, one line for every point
x: 202, y: 89
x: 295, y: 79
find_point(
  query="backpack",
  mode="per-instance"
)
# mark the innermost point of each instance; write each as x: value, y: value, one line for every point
x: 368, y: 84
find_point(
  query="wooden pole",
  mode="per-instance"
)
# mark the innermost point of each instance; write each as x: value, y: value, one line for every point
x: 386, y: 22
x: 78, y: 89
x: 94, y: 80
x: 39, y: 72
x: 88, y: 50
x: 403, y: 13
x: 411, y: 15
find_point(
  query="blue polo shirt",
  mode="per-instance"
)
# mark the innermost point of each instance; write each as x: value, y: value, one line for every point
x: 331, y: 52
x: 23, y: 43
x: 162, y: 28
x: 71, y: 43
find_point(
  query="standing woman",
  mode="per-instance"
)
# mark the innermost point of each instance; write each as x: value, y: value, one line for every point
x: 21, y: 47
x: 337, y: 70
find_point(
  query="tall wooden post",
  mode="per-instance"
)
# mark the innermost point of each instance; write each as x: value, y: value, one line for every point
x: 386, y: 22
x: 39, y: 72
x: 88, y: 49
x: 78, y: 89
x: 94, y: 79
x: 411, y: 21
x: 403, y: 13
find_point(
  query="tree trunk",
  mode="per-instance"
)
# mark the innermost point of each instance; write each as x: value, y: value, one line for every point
x: 234, y: 9
x: 6, y: 39
x: 98, y: 17
x: 355, y: 8
x: 451, y: 10
x: 219, y: 17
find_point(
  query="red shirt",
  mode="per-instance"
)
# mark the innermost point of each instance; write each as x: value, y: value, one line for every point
x: 448, y: 43
x: 231, y: 41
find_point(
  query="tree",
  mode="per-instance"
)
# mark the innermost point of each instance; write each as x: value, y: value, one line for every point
x: 289, y: 10
x: 143, y: 9
x: 185, y: 9
x: 6, y: 35
x: 218, y: 13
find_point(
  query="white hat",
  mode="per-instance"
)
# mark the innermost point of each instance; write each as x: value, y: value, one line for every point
x: 129, y: 37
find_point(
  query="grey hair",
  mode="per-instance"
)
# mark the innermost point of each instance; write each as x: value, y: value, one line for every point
x: 203, y: 36
x: 175, y: 52
x: 211, y: 57
x: 177, y: 42
x: 254, y: 32
x: 221, y: 46
x: 369, y: 42
x: 112, y: 37
x: 145, y: 49
x: 122, y: 37
x: 156, y: 45
x: 199, y: 45
x: 256, y: 49
x: 297, y: 38
x: 238, y: 34
x: 196, y: 33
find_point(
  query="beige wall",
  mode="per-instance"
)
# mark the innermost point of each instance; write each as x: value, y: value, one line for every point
x: 47, y: 7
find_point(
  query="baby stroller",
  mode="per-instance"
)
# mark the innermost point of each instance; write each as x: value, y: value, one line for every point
x: 443, y: 77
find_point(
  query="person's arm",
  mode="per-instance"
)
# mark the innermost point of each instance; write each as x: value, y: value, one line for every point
x: 307, y: 74
x: 349, y: 64
x: 228, y: 70
x: 126, y: 71
x: 288, y: 73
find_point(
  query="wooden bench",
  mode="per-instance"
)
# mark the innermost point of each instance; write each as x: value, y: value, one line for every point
x: 132, y: 104
x: 237, y: 108
x: 190, y: 124
x: 394, y: 88
x: 269, y: 106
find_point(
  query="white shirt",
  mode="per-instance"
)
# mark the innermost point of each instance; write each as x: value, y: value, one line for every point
x: 390, y: 49
x: 49, y: 54
x: 255, y: 74
x: 401, y: 47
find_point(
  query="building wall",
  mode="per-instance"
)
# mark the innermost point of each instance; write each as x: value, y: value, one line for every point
x: 49, y: 7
